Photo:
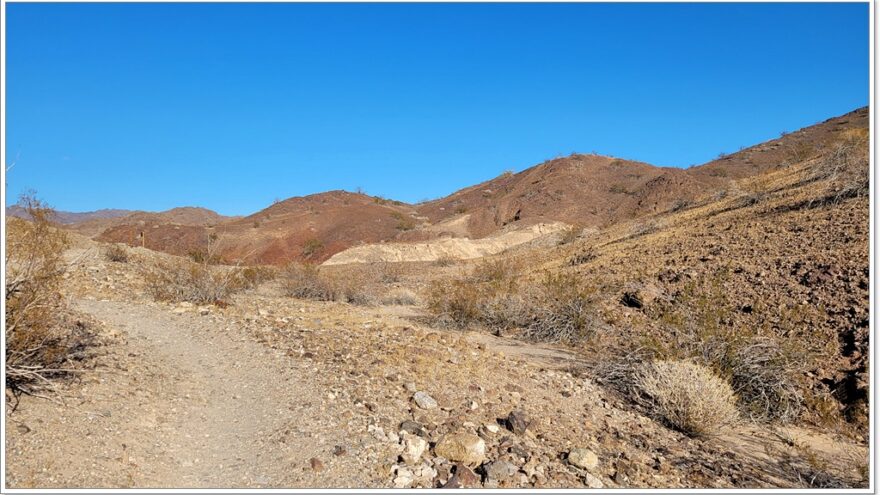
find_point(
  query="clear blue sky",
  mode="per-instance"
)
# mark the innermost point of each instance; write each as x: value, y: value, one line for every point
x: 229, y: 106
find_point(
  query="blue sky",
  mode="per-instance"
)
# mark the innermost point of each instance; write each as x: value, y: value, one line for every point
x: 230, y: 106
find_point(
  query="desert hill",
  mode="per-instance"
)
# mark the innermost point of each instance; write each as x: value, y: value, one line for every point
x: 581, y: 190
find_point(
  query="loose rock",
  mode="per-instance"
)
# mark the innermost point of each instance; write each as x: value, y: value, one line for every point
x: 466, y: 448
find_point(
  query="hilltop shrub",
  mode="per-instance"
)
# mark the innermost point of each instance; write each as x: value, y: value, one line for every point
x: 687, y: 396
x: 846, y: 166
x: 43, y: 337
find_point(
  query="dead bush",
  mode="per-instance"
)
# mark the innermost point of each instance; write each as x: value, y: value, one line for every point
x: 764, y: 370
x: 762, y: 373
x: 116, y: 253
x: 558, y: 308
x: 454, y: 302
x: 846, y: 166
x: 562, y: 310
x: 253, y: 276
x: 497, y: 271
x: 688, y: 396
x: 305, y: 281
x: 569, y: 235
x: 399, y: 297
x: 43, y: 337
x: 445, y: 261
x: 200, y: 283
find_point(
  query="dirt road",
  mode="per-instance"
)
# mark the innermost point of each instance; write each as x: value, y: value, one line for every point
x: 186, y: 403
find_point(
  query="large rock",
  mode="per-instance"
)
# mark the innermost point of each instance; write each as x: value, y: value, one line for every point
x: 583, y: 458
x: 466, y: 448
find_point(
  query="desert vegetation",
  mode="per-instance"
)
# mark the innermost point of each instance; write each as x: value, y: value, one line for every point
x: 44, y: 338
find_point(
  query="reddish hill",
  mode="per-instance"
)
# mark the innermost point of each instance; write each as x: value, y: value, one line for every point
x: 311, y: 228
x: 787, y: 149
x: 586, y: 190
x: 314, y: 227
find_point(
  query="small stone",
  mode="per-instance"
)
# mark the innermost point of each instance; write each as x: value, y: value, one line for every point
x: 517, y: 422
x: 414, y: 428
x: 466, y: 448
x: 424, y: 400
x: 316, y: 464
x: 499, y: 470
x: 377, y: 431
x: 404, y: 477
x: 583, y: 458
x: 413, y: 448
x: 339, y: 450
x: 463, y: 478
x: 593, y: 482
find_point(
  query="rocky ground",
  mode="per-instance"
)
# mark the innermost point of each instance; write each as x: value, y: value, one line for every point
x: 271, y: 391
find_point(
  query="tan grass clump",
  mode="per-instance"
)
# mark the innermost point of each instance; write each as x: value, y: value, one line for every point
x: 688, y: 396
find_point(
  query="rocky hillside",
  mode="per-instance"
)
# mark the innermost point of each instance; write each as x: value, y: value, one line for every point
x: 581, y: 190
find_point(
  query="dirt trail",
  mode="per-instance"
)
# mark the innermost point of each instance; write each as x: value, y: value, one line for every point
x: 189, y: 405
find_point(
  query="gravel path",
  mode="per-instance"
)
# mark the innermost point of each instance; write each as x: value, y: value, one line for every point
x: 187, y: 403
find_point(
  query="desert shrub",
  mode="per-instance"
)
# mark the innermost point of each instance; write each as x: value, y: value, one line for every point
x: 764, y: 370
x: 454, y: 302
x: 304, y: 281
x: 800, y: 152
x: 311, y: 248
x: 618, y: 189
x: 569, y: 235
x: 399, y: 297
x: 497, y: 271
x: 644, y: 228
x: 763, y: 373
x: 42, y: 336
x: 444, y: 261
x: 201, y: 283
x: 584, y: 256
x: 562, y: 310
x: 384, y: 272
x: 404, y: 222
x: 252, y: 276
x: 688, y: 396
x: 680, y: 204
x: 557, y: 308
x: 116, y: 253
x: 845, y: 167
